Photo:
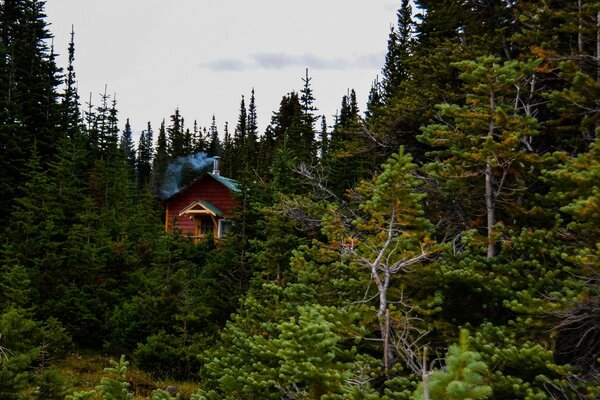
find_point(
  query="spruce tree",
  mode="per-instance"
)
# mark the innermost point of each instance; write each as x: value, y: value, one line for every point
x: 308, y: 119
x: 375, y: 100
x: 252, y: 127
x: 176, y: 139
x: 144, y: 157
x: 228, y: 153
x: 160, y: 161
x: 324, y: 139
x: 71, y: 116
x: 400, y: 42
x: 127, y: 148
x: 200, y: 139
x: 239, y: 141
x: 30, y: 113
x: 214, y: 146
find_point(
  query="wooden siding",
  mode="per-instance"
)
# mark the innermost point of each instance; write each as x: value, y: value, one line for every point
x: 205, y: 188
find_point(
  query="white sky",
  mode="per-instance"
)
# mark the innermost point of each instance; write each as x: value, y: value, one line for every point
x: 202, y: 55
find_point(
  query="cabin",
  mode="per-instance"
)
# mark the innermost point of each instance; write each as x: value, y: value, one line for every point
x: 201, y: 208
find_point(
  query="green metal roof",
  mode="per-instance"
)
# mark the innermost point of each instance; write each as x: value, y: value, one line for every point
x: 228, y: 183
x: 210, y: 207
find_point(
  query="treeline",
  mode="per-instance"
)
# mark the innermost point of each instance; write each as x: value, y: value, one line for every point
x: 441, y: 244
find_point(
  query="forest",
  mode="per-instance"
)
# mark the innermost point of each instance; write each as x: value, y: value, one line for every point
x: 439, y: 242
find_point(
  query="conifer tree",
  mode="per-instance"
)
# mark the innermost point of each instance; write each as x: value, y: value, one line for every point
x: 485, y: 139
x: 394, y: 235
x: 252, y: 126
x: 160, y: 162
x: 112, y: 133
x: 189, y: 141
x: 396, y: 66
x: 29, y: 108
x: 228, y: 153
x: 307, y: 100
x: 126, y: 146
x: 375, y: 100
x: 200, y: 139
x: 462, y: 378
x: 176, y: 140
x: 241, y: 129
x: 349, y: 157
x: 144, y: 157
x: 324, y: 139
x: 103, y: 133
x: 71, y: 116
x: 214, y: 146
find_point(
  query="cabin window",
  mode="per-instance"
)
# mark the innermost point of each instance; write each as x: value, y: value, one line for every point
x: 205, y: 225
x: 224, y: 227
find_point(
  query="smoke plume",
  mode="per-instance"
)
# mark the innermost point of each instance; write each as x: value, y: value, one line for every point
x: 182, y: 171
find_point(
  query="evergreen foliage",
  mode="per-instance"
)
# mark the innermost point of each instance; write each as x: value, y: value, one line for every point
x: 351, y: 266
x: 462, y: 378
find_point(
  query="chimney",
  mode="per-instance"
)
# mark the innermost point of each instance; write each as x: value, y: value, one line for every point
x: 216, y: 165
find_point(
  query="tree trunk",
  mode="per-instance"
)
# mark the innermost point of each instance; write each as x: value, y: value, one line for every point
x: 489, y: 205
x: 425, y: 375
x: 580, y: 27
x: 598, y: 46
x: 387, y: 355
x: 383, y: 315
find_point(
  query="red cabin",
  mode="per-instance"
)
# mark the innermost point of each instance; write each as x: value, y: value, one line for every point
x: 202, y: 207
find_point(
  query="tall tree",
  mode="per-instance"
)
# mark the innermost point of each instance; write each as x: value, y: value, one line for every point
x: 214, y: 146
x: 485, y: 138
x: 126, y: 146
x: 71, y: 116
x: 308, y: 118
x: 160, y: 162
x: 144, y: 157
x: 176, y: 139
x: 252, y: 127
x: 228, y: 153
x: 394, y: 236
x: 29, y: 110
x: 324, y: 138
x: 396, y: 67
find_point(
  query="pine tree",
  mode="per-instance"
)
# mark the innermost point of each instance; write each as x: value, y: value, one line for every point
x: 176, y: 140
x: 393, y: 236
x: 144, y: 157
x: 349, y: 155
x: 239, y: 148
x: 103, y: 133
x: 200, y: 139
x: 190, y: 143
x: 485, y: 138
x: 462, y: 378
x: 160, y: 162
x: 214, y: 146
x: 252, y: 127
x: 228, y: 152
x: 241, y: 129
x: 375, y: 100
x: 71, y: 116
x: 486, y: 24
x: 30, y: 113
x: 324, y: 139
x: 307, y: 100
x: 127, y: 148
x: 400, y: 42
x: 251, y: 143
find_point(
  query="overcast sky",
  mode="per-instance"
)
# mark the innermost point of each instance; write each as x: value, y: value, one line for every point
x: 201, y: 55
